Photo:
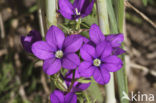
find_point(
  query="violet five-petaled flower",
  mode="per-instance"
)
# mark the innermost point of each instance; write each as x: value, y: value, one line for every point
x: 60, y: 97
x: 116, y: 40
x: 98, y: 58
x: 96, y: 36
x: 77, y: 86
x: 58, y: 51
x: 31, y: 38
x: 79, y: 9
x: 70, y: 97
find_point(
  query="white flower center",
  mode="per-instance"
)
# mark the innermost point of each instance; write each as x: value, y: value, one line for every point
x: 59, y: 54
x: 77, y: 12
x: 97, y: 62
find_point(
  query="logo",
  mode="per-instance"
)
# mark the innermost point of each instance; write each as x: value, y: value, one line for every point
x: 138, y: 97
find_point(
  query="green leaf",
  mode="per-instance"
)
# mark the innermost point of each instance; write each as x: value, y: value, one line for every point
x: 112, y: 18
x: 59, y: 83
x: 121, y: 74
x: 89, y: 20
x: 145, y: 2
x: 83, y: 80
x: 94, y: 92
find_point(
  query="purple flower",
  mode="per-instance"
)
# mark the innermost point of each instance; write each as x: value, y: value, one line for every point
x: 59, y: 97
x: 28, y: 40
x: 58, y: 51
x: 64, y: 97
x: 115, y: 40
x: 77, y: 86
x: 98, y: 62
x: 80, y: 8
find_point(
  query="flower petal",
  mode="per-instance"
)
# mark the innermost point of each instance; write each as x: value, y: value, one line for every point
x: 87, y: 52
x: 73, y: 43
x: 85, y: 40
x: 26, y: 43
x: 78, y: 87
x: 79, y: 4
x: 51, y: 66
x: 66, y: 9
x: 36, y: 35
x: 42, y: 50
x: 57, y: 97
x: 31, y: 38
x: 69, y: 74
x: 95, y: 34
x: 112, y: 63
x: 71, y: 61
x: 55, y: 37
x: 86, y: 69
x: 87, y: 8
x: 115, y: 39
x: 103, y: 49
x: 71, y: 98
x: 118, y: 51
x: 101, y: 76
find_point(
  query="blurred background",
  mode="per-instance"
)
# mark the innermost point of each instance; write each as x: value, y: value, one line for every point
x: 22, y: 79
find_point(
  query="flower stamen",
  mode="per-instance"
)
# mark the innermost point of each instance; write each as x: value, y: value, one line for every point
x: 59, y: 54
x: 97, y: 62
x: 77, y: 12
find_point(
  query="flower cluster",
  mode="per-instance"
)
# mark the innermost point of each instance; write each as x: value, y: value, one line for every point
x: 79, y: 9
x: 81, y: 57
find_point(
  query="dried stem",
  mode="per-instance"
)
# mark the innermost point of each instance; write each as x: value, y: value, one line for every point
x: 140, y: 13
x: 2, y: 26
x: 44, y: 84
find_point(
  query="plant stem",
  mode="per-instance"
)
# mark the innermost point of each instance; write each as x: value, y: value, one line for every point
x: 102, y: 16
x: 104, y: 26
x: 78, y: 22
x: 113, y: 23
x: 51, y: 7
x: 41, y: 19
x: 87, y: 98
x: 119, y: 7
x: 72, y: 82
x: 2, y: 27
x: 95, y: 92
x: 110, y: 90
x: 121, y: 74
x: 51, y: 18
x: 57, y: 81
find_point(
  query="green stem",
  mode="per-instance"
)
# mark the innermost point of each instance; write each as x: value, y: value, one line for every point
x: 121, y: 74
x: 87, y: 97
x: 51, y: 18
x: 119, y: 7
x: 41, y: 19
x: 104, y: 26
x: 72, y: 82
x: 103, y: 16
x: 64, y: 27
x: 110, y: 90
x: 113, y: 23
x: 78, y: 22
x: 58, y: 82
x: 51, y: 7
x: 85, y: 25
